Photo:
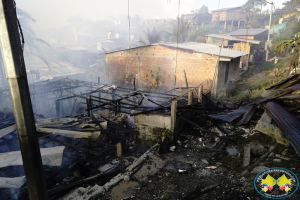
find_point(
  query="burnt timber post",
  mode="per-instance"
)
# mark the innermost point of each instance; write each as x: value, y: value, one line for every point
x: 99, y: 94
x: 173, y: 116
x: 14, y: 64
x: 200, y: 94
x: 57, y: 108
x: 190, y: 97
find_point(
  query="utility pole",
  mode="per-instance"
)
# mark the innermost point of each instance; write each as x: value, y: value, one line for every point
x: 268, y: 42
x: 14, y: 65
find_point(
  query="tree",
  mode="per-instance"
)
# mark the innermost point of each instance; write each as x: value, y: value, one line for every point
x: 32, y: 43
x: 179, y: 31
x: 254, y: 5
x: 203, y: 9
x: 150, y: 37
x: 293, y: 46
x: 289, y: 14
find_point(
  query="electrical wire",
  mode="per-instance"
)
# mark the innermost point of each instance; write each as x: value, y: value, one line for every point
x: 178, y: 23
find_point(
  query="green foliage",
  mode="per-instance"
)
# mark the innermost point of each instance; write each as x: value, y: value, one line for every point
x: 151, y: 37
x: 254, y: 5
x: 203, y: 9
x: 179, y: 30
x: 293, y: 46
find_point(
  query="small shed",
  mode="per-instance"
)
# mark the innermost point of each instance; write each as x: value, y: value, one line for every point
x: 252, y: 34
x: 165, y: 66
x: 229, y: 16
x: 234, y: 43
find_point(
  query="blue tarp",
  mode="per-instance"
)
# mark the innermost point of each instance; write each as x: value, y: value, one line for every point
x: 278, y: 28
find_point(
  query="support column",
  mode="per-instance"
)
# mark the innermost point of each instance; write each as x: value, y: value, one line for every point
x: 173, y: 115
x: 190, y: 97
x: 200, y: 93
x: 231, y: 24
x: 225, y: 25
x: 239, y: 24
x: 14, y: 64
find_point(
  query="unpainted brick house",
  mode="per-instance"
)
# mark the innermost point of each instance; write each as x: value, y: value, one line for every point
x: 162, y: 65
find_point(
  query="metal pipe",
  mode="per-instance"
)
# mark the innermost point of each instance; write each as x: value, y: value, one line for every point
x: 270, y: 22
x: 14, y: 65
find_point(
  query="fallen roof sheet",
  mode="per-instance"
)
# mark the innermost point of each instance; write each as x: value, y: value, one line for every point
x: 50, y: 156
x: 285, y: 83
x: 228, y: 37
x: 287, y: 123
x: 16, y: 182
x: 247, y: 32
x: 56, y: 69
x: 248, y: 115
x: 226, y: 9
x: 207, y: 49
x: 234, y: 115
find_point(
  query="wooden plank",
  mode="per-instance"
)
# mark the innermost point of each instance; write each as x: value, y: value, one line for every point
x: 67, y: 133
x: 50, y: 156
x: 7, y: 130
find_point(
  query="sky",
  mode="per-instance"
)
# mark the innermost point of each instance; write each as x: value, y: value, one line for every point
x: 55, y: 13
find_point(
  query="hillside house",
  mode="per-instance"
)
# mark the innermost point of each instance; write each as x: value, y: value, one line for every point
x: 234, y: 43
x: 198, y: 18
x: 162, y: 65
x: 229, y: 16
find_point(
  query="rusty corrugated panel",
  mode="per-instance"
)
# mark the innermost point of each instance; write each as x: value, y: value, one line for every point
x: 248, y: 115
x: 285, y: 83
x: 287, y: 123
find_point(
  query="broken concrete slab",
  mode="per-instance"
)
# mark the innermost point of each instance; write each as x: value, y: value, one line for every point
x: 264, y: 125
x: 257, y: 149
x: 50, y: 156
x: 151, y: 126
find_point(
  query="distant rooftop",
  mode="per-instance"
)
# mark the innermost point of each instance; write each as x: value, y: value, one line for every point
x: 247, y: 32
x: 228, y: 37
x: 226, y: 9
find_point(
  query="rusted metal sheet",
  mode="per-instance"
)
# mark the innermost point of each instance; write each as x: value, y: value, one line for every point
x: 287, y: 123
x: 290, y: 97
x: 248, y: 115
x: 285, y: 83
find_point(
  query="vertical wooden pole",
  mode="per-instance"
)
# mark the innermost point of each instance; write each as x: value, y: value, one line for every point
x: 190, y: 97
x: 14, y: 64
x: 186, y: 81
x: 173, y: 116
x: 200, y: 92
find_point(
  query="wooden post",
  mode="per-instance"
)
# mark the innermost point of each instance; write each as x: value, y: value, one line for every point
x: 88, y: 106
x: 231, y: 24
x: 200, y: 92
x: 134, y: 88
x: 173, y: 115
x: 119, y: 149
x: 186, y: 81
x: 239, y: 24
x: 57, y: 105
x: 14, y: 65
x: 246, y: 161
x: 99, y: 94
x: 190, y: 97
x: 225, y: 25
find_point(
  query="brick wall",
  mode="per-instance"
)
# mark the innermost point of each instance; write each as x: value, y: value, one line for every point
x: 154, y: 66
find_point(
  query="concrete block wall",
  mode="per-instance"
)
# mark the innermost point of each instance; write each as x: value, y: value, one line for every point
x: 155, y: 65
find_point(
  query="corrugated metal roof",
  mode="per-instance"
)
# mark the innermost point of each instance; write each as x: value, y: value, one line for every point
x: 196, y: 47
x: 287, y: 123
x: 57, y: 69
x: 228, y: 37
x: 285, y: 83
x: 247, y: 32
x: 207, y: 49
x: 226, y: 9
